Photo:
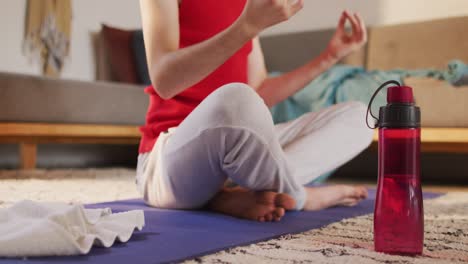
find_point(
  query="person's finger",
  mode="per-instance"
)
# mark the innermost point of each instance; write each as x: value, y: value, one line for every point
x: 354, y: 23
x: 342, y: 21
x: 295, y: 6
x: 359, y: 32
x: 363, y: 28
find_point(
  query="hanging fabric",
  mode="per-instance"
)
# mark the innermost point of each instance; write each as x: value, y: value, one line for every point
x: 47, y: 33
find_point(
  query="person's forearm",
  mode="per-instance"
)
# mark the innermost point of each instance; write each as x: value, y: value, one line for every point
x: 182, y: 68
x: 276, y: 89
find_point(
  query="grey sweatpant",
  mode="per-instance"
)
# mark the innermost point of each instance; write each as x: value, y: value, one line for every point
x: 231, y: 135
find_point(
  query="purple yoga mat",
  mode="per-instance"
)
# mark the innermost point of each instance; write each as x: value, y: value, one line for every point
x: 171, y: 236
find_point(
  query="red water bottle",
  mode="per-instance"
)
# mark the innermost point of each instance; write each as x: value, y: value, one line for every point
x: 398, y: 212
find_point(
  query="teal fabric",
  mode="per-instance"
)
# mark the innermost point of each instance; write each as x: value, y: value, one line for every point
x: 349, y: 83
x: 457, y: 73
x: 322, y: 178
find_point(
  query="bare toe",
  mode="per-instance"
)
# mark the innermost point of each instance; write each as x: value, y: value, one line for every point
x: 279, y: 212
x: 259, y: 206
x: 363, y: 192
x: 329, y: 196
x: 350, y: 202
x: 285, y: 201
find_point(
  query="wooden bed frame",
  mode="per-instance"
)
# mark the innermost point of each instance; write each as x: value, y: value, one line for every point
x: 29, y: 135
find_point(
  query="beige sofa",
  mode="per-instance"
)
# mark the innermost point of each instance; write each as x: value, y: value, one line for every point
x: 35, y: 110
x: 430, y: 44
x: 427, y: 44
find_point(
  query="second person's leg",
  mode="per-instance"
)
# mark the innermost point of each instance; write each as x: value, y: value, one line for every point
x: 319, y: 142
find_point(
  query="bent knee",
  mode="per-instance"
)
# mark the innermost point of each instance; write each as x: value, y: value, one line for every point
x: 235, y: 94
x: 353, y: 113
x: 235, y: 102
x: 234, y: 90
x: 354, y: 107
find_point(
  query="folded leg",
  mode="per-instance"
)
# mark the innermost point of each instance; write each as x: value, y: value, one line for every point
x: 319, y: 142
x: 229, y: 135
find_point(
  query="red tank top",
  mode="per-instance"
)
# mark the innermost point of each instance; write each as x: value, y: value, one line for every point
x: 199, y: 20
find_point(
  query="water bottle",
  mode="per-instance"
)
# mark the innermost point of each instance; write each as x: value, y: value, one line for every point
x: 398, y: 212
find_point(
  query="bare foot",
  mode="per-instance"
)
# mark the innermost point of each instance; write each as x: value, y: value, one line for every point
x: 328, y: 196
x: 260, y: 206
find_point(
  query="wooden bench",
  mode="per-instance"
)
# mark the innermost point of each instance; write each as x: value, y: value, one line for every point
x: 29, y: 135
x: 445, y: 140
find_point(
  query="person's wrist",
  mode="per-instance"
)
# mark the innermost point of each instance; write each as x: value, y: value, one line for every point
x: 331, y: 55
x: 247, y: 29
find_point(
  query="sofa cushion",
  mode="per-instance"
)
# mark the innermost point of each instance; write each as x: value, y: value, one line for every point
x: 418, y: 45
x: 138, y: 47
x: 25, y: 98
x: 118, y: 43
x: 285, y: 52
x: 442, y: 105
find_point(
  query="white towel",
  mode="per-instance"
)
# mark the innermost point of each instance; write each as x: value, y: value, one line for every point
x: 55, y: 229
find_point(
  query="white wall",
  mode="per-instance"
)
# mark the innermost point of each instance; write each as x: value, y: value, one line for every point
x: 88, y: 14
x: 319, y: 14
x: 87, y: 17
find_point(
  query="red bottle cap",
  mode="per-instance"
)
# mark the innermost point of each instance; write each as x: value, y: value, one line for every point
x: 400, y: 94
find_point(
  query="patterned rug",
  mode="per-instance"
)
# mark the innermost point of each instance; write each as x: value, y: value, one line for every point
x: 351, y: 241
x: 348, y: 241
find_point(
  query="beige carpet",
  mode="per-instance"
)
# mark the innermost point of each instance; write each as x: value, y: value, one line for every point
x: 85, y: 186
x: 349, y: 241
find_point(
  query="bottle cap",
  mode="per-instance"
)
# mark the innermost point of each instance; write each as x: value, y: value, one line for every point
x: 400, y: 94
x: 400, y: 111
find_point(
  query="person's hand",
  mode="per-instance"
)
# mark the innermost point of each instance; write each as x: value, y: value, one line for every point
x: 261, y: 14
x: 342, y: 42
